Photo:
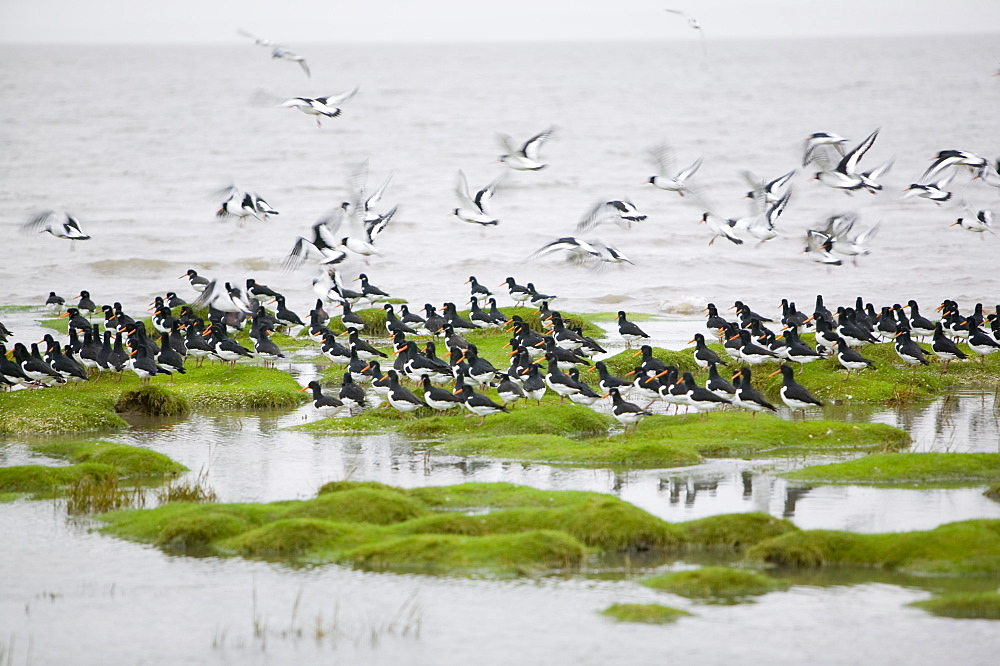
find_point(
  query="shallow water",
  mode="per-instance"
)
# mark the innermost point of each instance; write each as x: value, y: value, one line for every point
x: 152, y: 132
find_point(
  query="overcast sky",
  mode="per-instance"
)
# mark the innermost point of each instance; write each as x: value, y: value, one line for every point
x: 338, y: 21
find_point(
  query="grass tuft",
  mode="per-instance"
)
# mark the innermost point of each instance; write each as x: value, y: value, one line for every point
x: 715, y: 584
x: 978, y: 605
x: 644, y: 613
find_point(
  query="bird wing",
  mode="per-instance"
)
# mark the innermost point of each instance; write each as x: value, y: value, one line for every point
x: 849, y: 164
x: 462, y: 191
x: 334, y: 100
x: 39, y: 221
x: 687, y: 173
x: 534, y: 144
x: 663, y: 155
x: 485, y: 195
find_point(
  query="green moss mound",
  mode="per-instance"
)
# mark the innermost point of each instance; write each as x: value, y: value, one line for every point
x: 501, y: 528
x: 733, y: 434
x: 644, y: 613
x: 907, y: 468
x: 152, y: 401
x: 127, y: 461
x: 715, y: 584
x: 147, y: 525
x: 62, y: 409
x: 549, y: 419
x: 733, y: 531
x: 196, y: 532
x: 361, y: 505
x: 297, y: 538
x: 524, y: 552
x: 613, y: 451
x: 993, y: 492
x: 91, y: 405
x: 337, y: 486
x: 39, y: 479
x: 977, y: 605
x: 969, y: 547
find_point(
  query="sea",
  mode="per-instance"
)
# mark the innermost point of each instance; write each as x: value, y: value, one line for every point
x: 137, y: 140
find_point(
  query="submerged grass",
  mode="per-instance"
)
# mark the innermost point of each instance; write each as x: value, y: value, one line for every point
x: 498, y: 528
x: 907, y: 468
x: 975, y: 605
x: 644, y: 613
x: 970, y: 547
x: 715, y: 584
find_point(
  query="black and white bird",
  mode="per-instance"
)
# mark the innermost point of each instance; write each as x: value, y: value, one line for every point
x: 667, y: 177
x: 794, y: 394
x: 704, y: 356
x: 626, y: 413
x: 908, y: 350
x: 946, y: 159
x: 476, y: 209
x: 477, y: 404
x: 818, y: 142
x: 747, y: 396
x: 326, y: 405
x: 198, y: 282
x: 225, y: 298
x: 819, y: 247
x: 320, y: 107
x: 524, y: 157
x: 979, y: 223
x: 629, y: 331
x: 850, y: 359
x: 58, y: 223
x: 617, y: 211
x: 944, y: 348
x: 845, y: 176
x: 277, y: 51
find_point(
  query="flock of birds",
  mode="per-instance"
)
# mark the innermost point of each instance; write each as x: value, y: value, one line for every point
x: 546, y: 358
x: 351, y: 230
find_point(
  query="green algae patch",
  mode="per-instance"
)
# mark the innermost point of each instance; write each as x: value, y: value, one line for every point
x: 152, y: 401
x: 567, y: 420
x: 297, y: 538
x: 925, y: 469
x: 605, y: 452
x: 361, y: 505
x: 127, y: 461
x: 245, y: 386
x: 198, y: 532
x: 147, y: 525
x: 607, y: 523
x: 42, y: 480
x: 61, y: 409
x: 732, y: 434
x: 644, y: 613
x: 91, y: 405
x: 524, y: 552
x: 498, y: 496
x: 715, y: 584
x: 971, y: 605
x: 970, y: 547
x: 338, y: 486
x: 468, y: 528
x: 733, y: 531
